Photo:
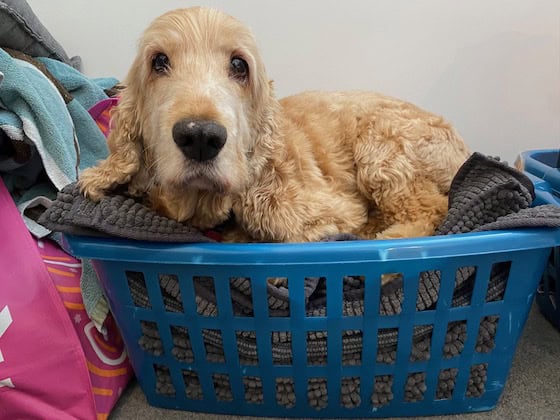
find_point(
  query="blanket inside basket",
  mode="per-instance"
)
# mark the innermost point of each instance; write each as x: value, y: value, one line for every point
x: 114, y: 215
x: 485, y: 195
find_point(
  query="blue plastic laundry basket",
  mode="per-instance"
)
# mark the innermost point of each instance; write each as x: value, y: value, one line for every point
x: 523, y: 252
x: 543, y: 167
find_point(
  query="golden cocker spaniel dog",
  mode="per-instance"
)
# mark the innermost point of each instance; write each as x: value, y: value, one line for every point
x: 199, y: 131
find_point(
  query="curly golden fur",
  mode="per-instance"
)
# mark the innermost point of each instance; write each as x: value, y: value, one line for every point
x: 298, y: 169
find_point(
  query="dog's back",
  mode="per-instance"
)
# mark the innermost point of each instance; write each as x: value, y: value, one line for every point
x: 398, y: 157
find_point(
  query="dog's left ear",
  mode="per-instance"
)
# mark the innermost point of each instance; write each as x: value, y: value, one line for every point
x: 262, y: 87
x: 265, y: 105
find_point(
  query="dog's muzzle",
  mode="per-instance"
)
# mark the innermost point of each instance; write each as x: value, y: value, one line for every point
x: 199, y: 140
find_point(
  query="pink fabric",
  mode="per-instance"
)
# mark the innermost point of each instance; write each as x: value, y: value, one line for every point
x: 43, y: 371
x: 54, y: 364
x: 101, y: 113
x: 107, y: 361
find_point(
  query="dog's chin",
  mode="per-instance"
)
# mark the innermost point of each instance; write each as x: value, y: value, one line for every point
x: 213, y: 184
x: 209, y: 177
x: 209, y: 184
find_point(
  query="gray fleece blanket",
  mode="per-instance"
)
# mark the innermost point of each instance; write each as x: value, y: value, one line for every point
x: 485, y: 195
x: 114, y: 215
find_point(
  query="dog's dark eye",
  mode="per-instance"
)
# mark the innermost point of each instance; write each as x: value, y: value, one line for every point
x: 239, y: 69
x: 160, y: 63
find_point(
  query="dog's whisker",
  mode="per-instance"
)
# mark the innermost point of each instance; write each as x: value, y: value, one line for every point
x: 154, y: 163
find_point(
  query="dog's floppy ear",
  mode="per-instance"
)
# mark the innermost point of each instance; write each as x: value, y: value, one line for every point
x: 124, y: 141
x: 262, y: 87
x: 265, y: 105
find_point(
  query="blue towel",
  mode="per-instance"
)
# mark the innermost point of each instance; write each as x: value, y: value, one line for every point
x: 33, y: 111
x: 62, y: 133
x: 86, y: 93
x: 41, y: 118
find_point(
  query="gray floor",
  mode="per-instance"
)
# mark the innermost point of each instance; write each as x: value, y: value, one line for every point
x: 531, y: 393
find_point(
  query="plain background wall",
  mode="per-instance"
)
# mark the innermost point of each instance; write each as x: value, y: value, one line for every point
x: 490, y: 67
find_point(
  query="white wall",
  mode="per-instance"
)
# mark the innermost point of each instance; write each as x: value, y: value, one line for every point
x: 490, y: 67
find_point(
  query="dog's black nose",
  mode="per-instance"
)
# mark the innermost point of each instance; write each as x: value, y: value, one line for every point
x: 200, y: 140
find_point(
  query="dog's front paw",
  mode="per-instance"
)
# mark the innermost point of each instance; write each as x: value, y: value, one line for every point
x: 92, y: 185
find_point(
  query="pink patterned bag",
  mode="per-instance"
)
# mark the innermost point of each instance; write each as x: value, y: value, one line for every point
x: 106, y: 358
x: 53, y: 363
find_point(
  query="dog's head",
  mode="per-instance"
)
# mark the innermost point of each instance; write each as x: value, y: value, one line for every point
x: 196, y: 105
